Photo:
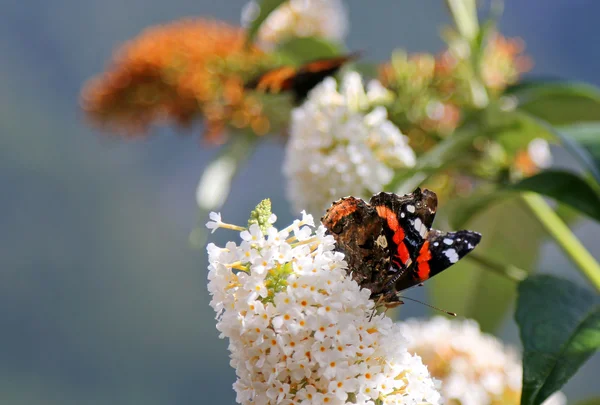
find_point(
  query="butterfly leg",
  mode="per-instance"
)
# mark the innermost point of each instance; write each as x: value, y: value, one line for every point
x: 378, y: 304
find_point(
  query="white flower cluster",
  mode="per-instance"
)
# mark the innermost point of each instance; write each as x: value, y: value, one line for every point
x: 336, y: 149
x: 299, y: 18
x: 475, y: 368
x: 299, y: 328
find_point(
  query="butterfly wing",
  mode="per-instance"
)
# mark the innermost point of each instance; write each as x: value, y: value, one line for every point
x: 440, y: 251
x: 359, y: 234
x: 274, y: 80
x: 408, y: 219
x: 315, y: 72
x: 299, y: 81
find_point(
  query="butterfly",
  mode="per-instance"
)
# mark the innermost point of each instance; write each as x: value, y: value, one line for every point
x: 389, y: 243
x: 298, y: 80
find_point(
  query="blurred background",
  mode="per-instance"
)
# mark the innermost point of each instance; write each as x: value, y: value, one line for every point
x: 102, y: 299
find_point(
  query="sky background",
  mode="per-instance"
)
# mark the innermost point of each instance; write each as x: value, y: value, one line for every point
x: 102, y: 300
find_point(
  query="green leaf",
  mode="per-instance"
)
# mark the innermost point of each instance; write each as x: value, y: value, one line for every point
x: 266, y: 8
x: 510, y: 235
x: 559, y: 325
x: 565, y: 187
x: 297, y: 51
x: 587, y: 134
x: 559, y: 103
x: 532, y: 83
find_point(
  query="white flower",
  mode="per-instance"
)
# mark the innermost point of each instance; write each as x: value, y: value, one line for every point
x: 298, y: 325
x: 539, y: 153
x: 299, y: 18
x: 475, y: 368
x: 215, y: 221
x: 338, y: 148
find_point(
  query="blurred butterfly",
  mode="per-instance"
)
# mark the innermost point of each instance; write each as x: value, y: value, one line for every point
x: 298, y: 80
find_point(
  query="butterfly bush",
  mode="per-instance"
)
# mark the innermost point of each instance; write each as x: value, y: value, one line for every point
x: 179, y: 72
x: 299, y: 327
x: 476, y: 368
x: 299, y: 18
x: 341, y: 143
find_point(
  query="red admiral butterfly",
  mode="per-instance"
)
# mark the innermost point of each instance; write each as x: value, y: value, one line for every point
x: 389, y: 244
x: 299, y: 81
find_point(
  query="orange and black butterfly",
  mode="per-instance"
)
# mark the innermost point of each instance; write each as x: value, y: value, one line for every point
x: 298, y: 80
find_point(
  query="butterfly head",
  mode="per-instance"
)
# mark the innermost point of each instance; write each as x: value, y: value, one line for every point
x: 425, y: 205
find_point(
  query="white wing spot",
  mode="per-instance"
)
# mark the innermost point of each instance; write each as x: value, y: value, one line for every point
x: 458, y: 239
x: 448, y: 241
x: 436, y: 243
x: 410, y: 208
x: 451, y: 255
x: 420, y: 227
x: 402, y: 215
x: 470, y: 246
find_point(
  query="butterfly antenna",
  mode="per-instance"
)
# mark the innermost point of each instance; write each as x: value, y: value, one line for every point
x: 430, y: 306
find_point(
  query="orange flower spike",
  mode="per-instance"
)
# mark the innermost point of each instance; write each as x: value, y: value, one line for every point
x: 176, y: 73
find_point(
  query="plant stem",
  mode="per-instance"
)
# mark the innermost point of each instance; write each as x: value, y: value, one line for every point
x: 509, y: 271
x: 464, y: 14
x: 561, y: 233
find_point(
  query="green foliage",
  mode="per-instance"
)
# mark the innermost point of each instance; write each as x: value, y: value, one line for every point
x: 514, y: 129
x: 562, y: 186
x: 558, y: 103
x: 560, y: 329
x: 441, y: 156
x: 565, y: 187
x: 296, y: 51
x: 463, y: 210
x: 587, y: 134
x: 510, y: 235
x: 567, y: 112
x: 266, y: 8
x: 582, y: 155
